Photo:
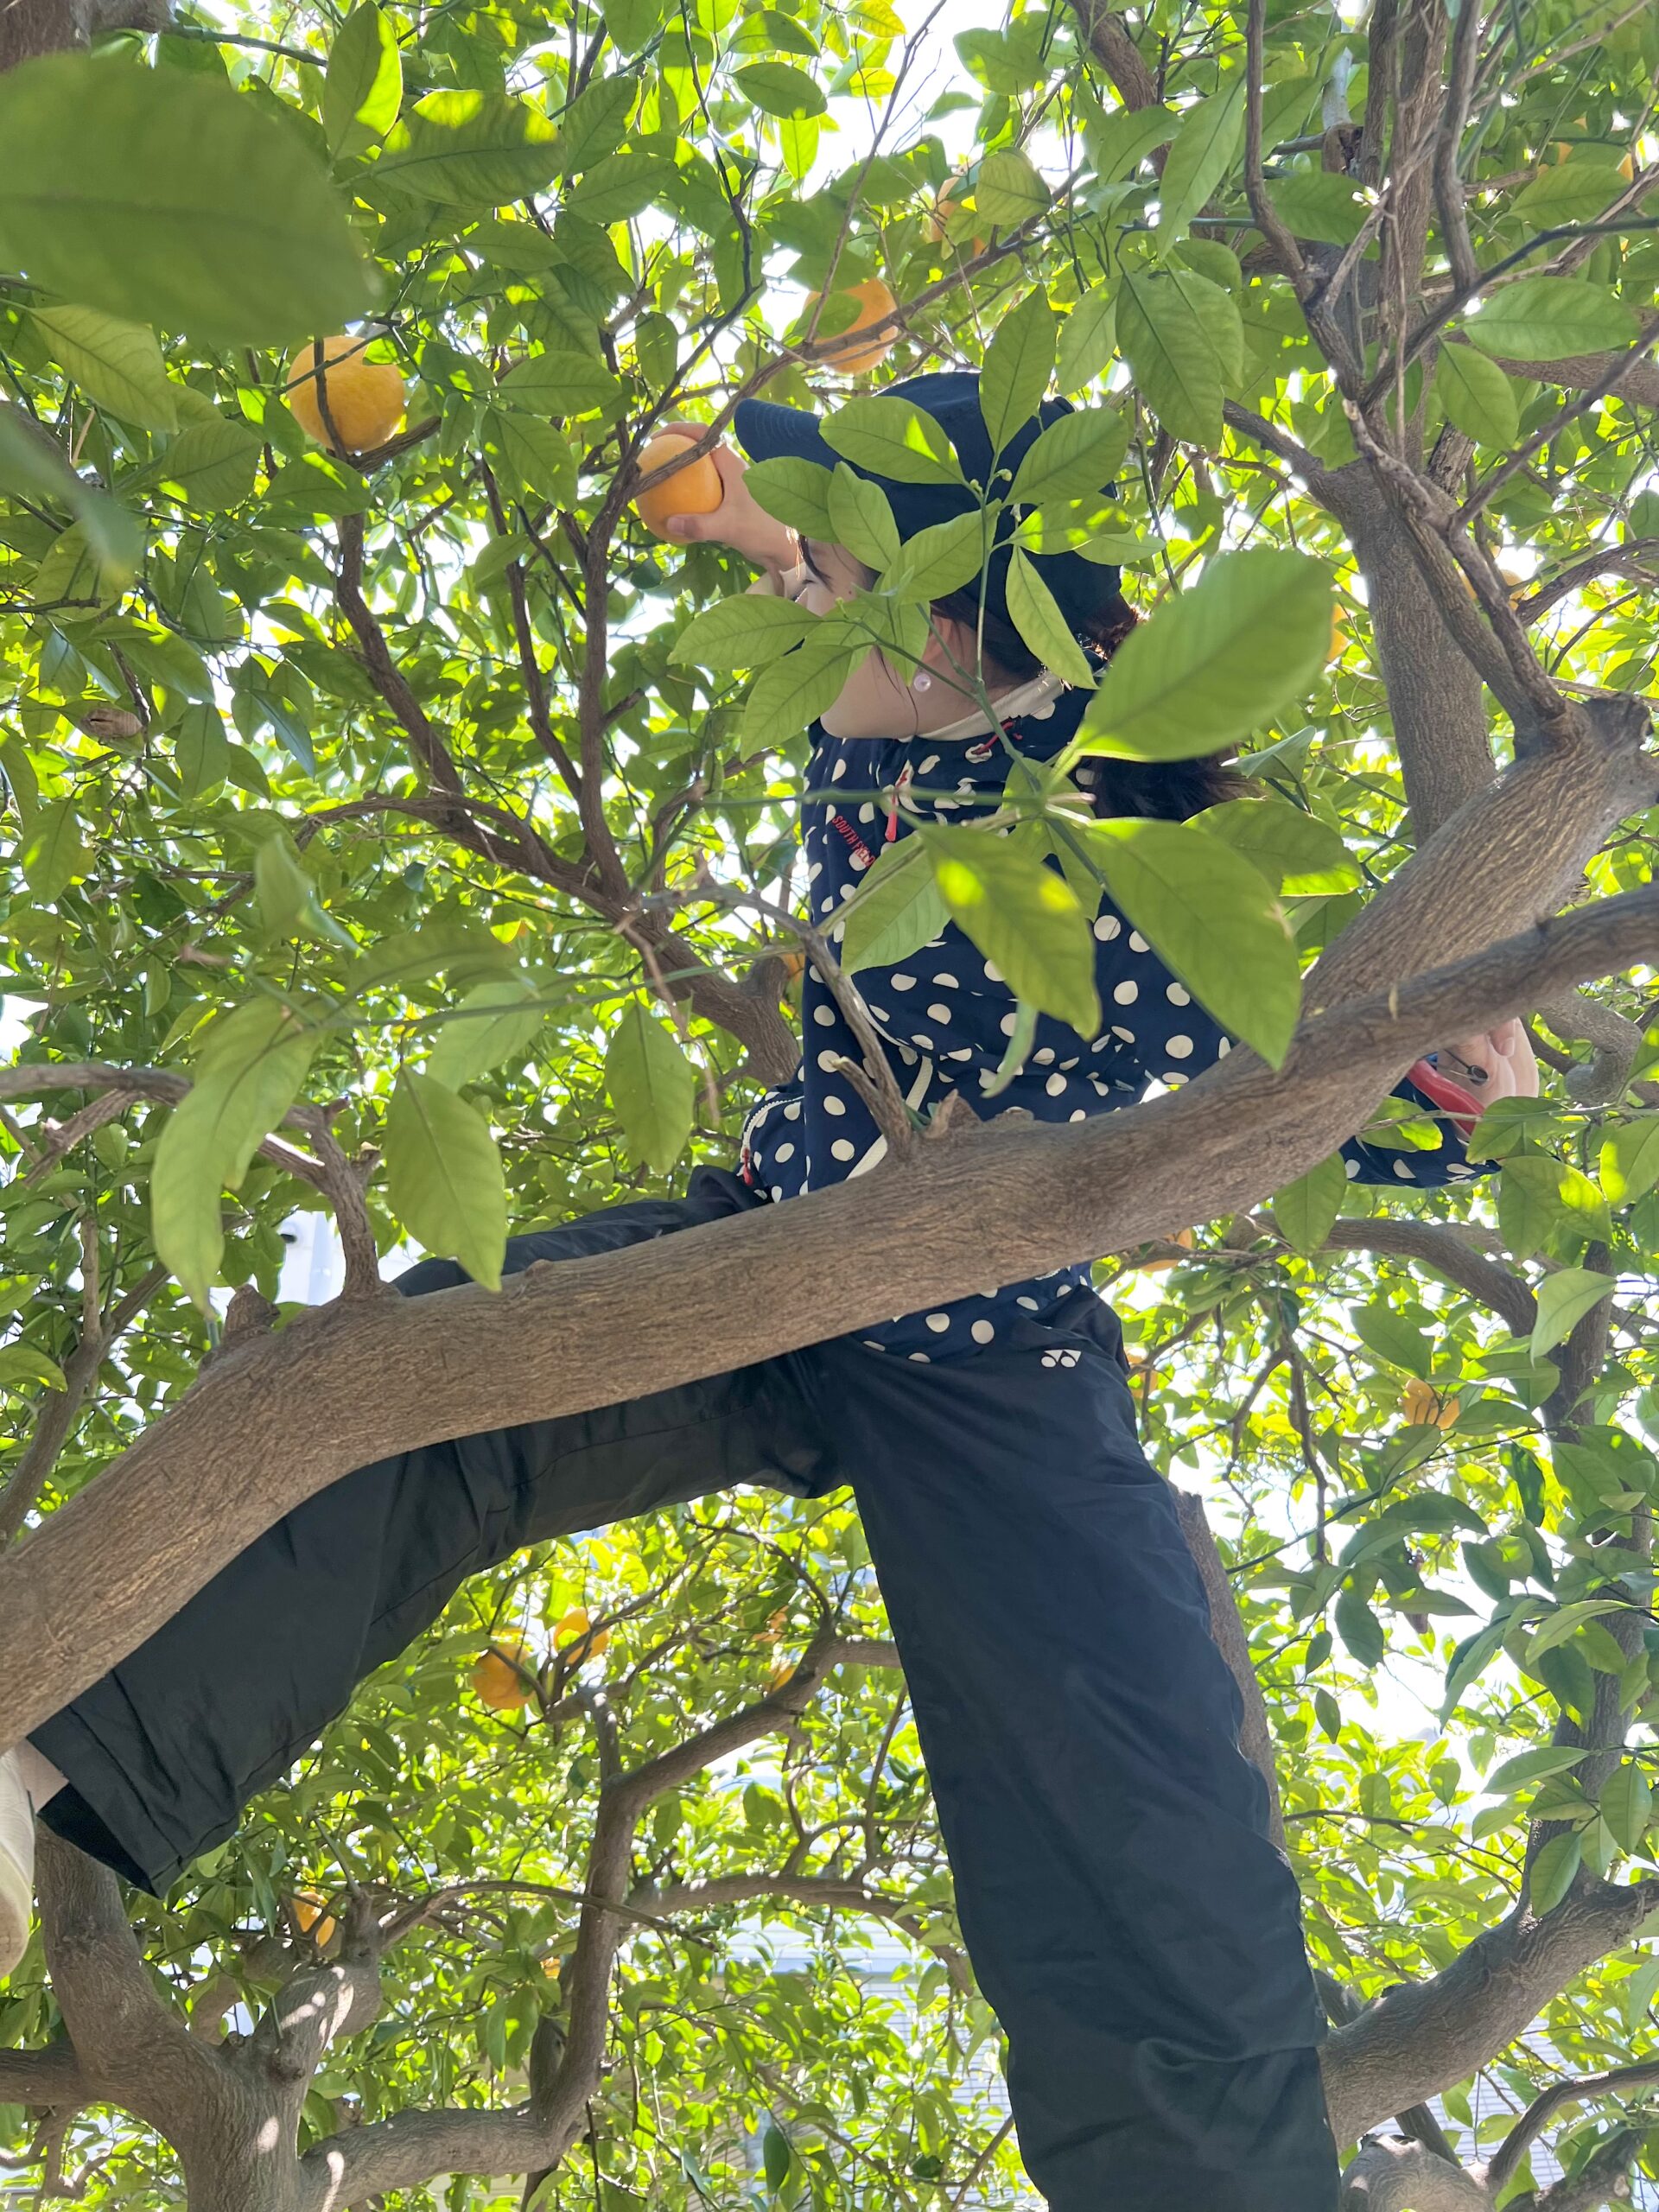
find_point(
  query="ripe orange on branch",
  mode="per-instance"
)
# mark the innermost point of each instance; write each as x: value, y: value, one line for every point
x: 1424, y: 1407
x: 314, y: 1919
x: 875, y: 302
x: 693, y: 491
x: 500, y: 1684
x: 574, y: 1628
x: 365, y: 398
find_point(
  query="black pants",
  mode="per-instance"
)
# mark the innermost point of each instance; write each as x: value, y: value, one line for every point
x: 1126, y: 1916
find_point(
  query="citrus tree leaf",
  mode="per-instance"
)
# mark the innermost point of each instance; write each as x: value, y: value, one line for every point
x: 1023, y: 917
x: 1200, y: 154
x: 166, y: 197
x: 1626, y: 1804
x: 1088, y: 341
x: 897, y: 909
x: 1036, y: 615
x: 1019, y: 362
x: 1476, y: 396
x: 117, y: 364
x: 1212, y: 917
x: 1217, y: 660
x: 776, y: 88
x: 1305, y: 1209
x: 1297, y: 852
x: 1548, y: 318
x: 891, y: 437
x: 794, y: 492
x: 1553, y: 1871
x: 1074, y: 458
x: 1630, y: 1159
x: 444, y: 1177
x: 652, y: 1085
x: 942, y: 558
x: 785, y: 697
x: 31, y: 462
x: 467, y: 148
x: 54, y: 853
x: 495, y: 1022
x: 861, y: 519
x: 1564, y: 1298
x: 749, y: 631
x: 1009, y: 191
x: 1182, y: 337
x: 364, y: 88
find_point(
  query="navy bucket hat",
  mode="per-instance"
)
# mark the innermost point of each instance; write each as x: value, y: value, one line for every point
x: 1084, y: 589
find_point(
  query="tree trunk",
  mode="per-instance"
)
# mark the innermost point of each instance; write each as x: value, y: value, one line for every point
x: 31, y: 27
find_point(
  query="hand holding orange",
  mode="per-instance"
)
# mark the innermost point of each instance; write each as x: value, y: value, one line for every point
x: 697, y: 490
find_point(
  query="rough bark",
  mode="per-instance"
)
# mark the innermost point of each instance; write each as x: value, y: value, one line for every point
x: 31, y: 27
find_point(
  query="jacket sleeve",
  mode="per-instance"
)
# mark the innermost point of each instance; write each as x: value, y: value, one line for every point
x: 949, y: 1002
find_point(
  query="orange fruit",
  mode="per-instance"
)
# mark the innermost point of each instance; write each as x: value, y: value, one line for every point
x: 314, y: 1919
x: 498, y: 1683
x: 574, y: 1627
x: 938, y: 221
x: 1338, y: 630
x: 693, y: 491
x: 782, y: 1672
x: 1424, y: 1405
x: 875, y: 302
x: 365, y: 398
x: 1184, y: 1238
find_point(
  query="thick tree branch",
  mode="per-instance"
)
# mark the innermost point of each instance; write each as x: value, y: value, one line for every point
x: 1538, y: 2114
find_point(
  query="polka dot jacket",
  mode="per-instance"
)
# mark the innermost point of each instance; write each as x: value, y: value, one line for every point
x: 945, y: 1014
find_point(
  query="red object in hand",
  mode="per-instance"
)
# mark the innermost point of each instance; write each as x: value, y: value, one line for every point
x: 1463, y: 1106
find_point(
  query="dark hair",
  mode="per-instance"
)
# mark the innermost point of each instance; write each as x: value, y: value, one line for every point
x: 1169, y: 791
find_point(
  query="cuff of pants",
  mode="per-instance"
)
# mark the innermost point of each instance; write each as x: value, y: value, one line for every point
x: 100, y: 1812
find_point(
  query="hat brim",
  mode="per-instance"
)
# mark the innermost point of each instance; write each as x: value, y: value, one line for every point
x: 768, y: 431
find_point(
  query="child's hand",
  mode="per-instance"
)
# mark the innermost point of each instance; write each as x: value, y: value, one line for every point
x: 739, y: 521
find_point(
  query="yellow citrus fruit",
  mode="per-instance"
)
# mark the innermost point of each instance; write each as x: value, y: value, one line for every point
x: 498, y: 1683
x: 365, y: 398
x: 314, y: 1919
x: 780, y: 1673
x: 1424, y: 1405
x: 1338, y: 630
x: 693, y: 491
x: 574, y: 1627
x: 952, y: 194
x: 875, y: 302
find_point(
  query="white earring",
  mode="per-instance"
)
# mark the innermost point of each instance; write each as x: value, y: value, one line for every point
x: 921, y: 681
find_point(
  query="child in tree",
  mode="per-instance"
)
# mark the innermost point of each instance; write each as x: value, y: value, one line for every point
x: 1126, y: 1914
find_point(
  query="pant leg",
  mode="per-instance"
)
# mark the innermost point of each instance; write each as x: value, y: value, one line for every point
x: 163, y: 1751
x: 1128, y: 1918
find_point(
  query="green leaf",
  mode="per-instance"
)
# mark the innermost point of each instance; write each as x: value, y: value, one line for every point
x: 201, y: 749
x: 1531, y: 1766
x: 1305, y: 1210
x: 776, y: 2156
x: 861, y: 519
x: 778, y: 89
x: 443, y: 1176
x: 1123, y: 140
x: 1630, y: 1159
x: 53, y: 854
x: 942, y: 558
x: 890, y: 437
x: 1297, y: 853
x: 1316, y: 204
x: 248, y: 1071
x: 1183, y: 338
x: 1008, y: 191
x: 117, y: 364
x: 212, y: 463
x: 1359, y: 1628
x: 1549, y: 319
x: 1564, y: 1299
x: 1626, y: 1804
x: 536, y: 456
x: 560, y: 382
x: 1216, y: 661
x: 1392, y: 1337
x: 785, y: 697
x: 651, y: 1084
x: 1088, y: 341
x: 22, y: 1363
x: 467, y: 148
x: 1478, y: 398
x: 364, y: 88
x: 1023, y: 917
x: 494, y: 1022
x: 1552, y: 1870
x: 1566, y: 1622
x: 169, y: 198
x: 620, y: 188
x: 289, y: 905
x: 1019, y: 362
x: 897, y: 910
x: 1076, y: 458
x: 1036, y: 615
x: 630, y: 22
x: 1570, y: 192
x: 749, y: 631
x: 1212, y: 918
x: 793, y: 491
x: 1202, y: 151
x: 32, y: 461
